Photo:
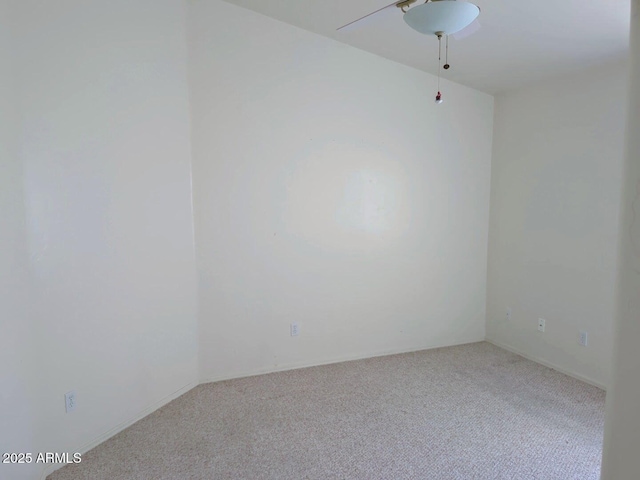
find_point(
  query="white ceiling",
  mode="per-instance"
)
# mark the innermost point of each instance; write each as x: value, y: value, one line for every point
x: 520, y: 42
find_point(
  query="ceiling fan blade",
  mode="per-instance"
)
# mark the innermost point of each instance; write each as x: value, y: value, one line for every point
x: 467, y: 31
x: 351, y: 24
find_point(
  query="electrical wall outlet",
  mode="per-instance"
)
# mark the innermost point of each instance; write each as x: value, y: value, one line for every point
x: 70, y: 401
x: 508, y: 316
x: 584, y: 339
x: 542, y: 325
x: 295, y: 329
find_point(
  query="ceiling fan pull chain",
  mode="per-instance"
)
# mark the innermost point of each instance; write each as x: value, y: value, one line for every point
x: 439, y: 95
x: 446, y: 61
x: 439, y: 59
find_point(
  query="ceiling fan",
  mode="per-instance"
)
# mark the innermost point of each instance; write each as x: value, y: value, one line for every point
x: 435, y: 17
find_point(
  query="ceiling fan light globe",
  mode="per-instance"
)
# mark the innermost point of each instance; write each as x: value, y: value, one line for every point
x: 443, y: 16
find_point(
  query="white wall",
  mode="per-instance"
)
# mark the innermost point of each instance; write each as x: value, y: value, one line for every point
x: 104, y: 131
x: 555, y: 192
x: 331, y: 191
x: 622, y: 428
x: 17, y: 354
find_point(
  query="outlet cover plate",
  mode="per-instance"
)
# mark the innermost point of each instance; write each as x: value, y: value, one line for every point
x: 584, y: 339
x: 295, y: 329
x: 70, y: 401
x: 542, y: 325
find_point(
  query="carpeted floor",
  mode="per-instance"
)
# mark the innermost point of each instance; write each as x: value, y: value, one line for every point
x: 468, y: 412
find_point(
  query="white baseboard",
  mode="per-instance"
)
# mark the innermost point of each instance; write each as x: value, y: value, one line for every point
x: 118, y: 428
x: 575, y: 375
x: 344, y: 358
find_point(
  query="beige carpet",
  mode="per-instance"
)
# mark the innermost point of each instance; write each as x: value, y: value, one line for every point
x: 468, y: 412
